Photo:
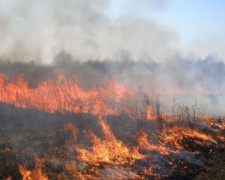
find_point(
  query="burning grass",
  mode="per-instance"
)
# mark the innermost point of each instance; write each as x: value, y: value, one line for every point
x: 59, y: 131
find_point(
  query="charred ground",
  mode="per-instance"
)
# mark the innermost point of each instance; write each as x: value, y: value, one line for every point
x: 107, y: 119
x: 25, y: 133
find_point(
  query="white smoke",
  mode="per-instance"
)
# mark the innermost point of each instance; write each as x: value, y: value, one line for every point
x: 39, y: 29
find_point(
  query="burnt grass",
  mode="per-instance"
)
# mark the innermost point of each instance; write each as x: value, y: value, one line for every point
x: 26, y: 132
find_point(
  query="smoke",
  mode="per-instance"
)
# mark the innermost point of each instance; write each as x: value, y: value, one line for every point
x: 190, y: 82
x: 69, y: 33
x: 39, y: 29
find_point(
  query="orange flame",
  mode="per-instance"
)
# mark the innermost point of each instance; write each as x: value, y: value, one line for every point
x: 64, y: 95
x: 35, y: 174
x: 61, y: 96
x: 109, y: 150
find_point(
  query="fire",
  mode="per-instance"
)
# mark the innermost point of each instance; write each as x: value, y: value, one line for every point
x: 175, y: 135
x: 109, y: 150
x: 106, y: 155
x: 144, y: 144
x: 212, y: 121
x: 63, y: 96
x: 35, y: 174
x: 6, y: 150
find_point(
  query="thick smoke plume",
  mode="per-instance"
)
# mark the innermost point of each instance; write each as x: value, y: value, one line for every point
x: 86, y: 32
x: 86, y: 29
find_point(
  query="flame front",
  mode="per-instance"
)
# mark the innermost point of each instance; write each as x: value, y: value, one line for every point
x: 156, y: 141
x: 35, y: 174
x: 61, y: 96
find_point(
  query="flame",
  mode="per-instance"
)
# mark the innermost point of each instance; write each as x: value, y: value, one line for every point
x: 62, y: 96
x: 106, y: 156
x: 35, y: 174
x: 6, y: 150
x: 144, y: 144
x: 109, y: 150
x: 175, y: 135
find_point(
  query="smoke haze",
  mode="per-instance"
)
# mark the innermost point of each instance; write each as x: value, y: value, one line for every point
x: 188, y: 82
x: 40, y: 29
x: 134, y: 49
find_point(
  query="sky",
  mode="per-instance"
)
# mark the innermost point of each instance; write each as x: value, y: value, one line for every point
x: 199, y: 24
x: 103, y: 28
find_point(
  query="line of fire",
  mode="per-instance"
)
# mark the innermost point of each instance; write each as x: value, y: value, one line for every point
x: 89, y: 124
